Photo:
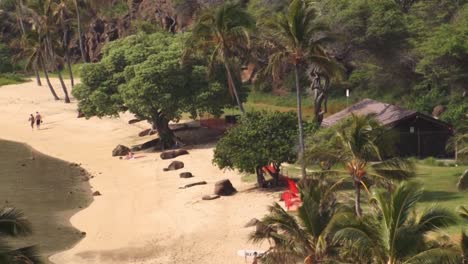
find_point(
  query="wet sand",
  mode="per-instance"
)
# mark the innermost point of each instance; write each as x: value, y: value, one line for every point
x: 48, y: 191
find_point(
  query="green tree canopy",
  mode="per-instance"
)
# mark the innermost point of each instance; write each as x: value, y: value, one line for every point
x: 259, y: 139
x: 148, y: 75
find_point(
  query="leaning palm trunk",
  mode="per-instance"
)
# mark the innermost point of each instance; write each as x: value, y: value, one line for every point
x: 70, y: 72
x: 357, y: 202
x: 36, y: 73
x: 233, y: 86
x: 299, y: 120
x: 46, y: 75
x: 64, y: 87
x: 80, y: 39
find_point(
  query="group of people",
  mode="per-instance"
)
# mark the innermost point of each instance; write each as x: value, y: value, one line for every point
x: 35, y: 120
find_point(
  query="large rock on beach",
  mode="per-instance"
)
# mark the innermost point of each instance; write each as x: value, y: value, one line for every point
x: 120, y: 150
x: 185, y: 175
x: 224, y: 188
x: 173, y: 153
x: 175, y: 165
x: 462, y: 184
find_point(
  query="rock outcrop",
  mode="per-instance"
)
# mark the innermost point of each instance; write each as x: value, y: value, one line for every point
x: 173, y: 154
x: 175, y: 165
x: 224, y: 188
x: 120, y: 150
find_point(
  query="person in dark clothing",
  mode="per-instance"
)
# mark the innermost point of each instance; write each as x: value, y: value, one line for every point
x: 31, y: 120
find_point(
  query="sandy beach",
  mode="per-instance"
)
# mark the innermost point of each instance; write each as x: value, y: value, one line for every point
x: 142, y: 216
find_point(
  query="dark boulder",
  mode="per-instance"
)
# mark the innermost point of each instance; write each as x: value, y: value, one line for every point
x: 175, y: 165
x: 185, y: 175
x: 173, y: 154
x: 120, y: 150
x: 135, y: 120
x: 462, y: 184
x: 224, y: 188
x: 97, y: 193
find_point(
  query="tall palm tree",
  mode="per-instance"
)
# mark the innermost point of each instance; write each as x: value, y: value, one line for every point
x: 395, y: 232
x: 19, y: 11
x: 225, y: 29
x: 305, y: 238
x: 61, y: 11
x: 14, y: 224
x: 294, y: 32
x: 357, y: 143
x: 33, y: 50
x: 78, y: 22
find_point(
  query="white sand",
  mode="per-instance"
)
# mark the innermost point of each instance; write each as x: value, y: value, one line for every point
x: 142, y: 216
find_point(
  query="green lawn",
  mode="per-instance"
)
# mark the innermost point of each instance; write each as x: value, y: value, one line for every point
x: 439, y: 187
x: 10, y: 78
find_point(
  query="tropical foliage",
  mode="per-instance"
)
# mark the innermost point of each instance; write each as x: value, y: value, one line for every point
x: 14, y: 224
x: 260, y: 139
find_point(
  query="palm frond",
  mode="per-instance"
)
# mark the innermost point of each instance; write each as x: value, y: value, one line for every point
x: 436, y: 256
x: 395, y: 168
x: 13, y: 222
x: 434, y: 218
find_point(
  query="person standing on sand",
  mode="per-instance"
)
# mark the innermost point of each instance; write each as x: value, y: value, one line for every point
x: 38, y: 120
x: 31, y: 120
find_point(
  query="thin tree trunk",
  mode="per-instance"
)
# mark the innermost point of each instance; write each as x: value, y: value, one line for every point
x: 299, y: 120
x: 20, y: 13
x: 64, y: 87
x: 46, y: 75
x: 234, y: 89
x: 357, y: 202
x: 260, y: 177
x: 65, y: 49
x: 80, y: 39
x: 166, y: 135
x: 36, y: 72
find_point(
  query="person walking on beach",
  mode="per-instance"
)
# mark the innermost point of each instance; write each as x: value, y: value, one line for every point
x: 31, y: 120
x: 38, y: 120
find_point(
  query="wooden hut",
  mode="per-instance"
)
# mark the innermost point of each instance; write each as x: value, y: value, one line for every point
x: 420, y: 135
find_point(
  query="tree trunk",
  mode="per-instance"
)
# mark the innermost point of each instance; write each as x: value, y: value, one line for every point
x: 64, y: 87
x: 260, y: 178
x: 161, y: 125
x: 65, y: 49
x: 36, y: 72
x: 46, y: 75
x: 80, y: 39
x: 20, y: 13
x: 233, y: 87
x: 357, y: 202
x: 299, y: 120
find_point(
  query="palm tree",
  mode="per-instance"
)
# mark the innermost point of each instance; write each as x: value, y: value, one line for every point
x: 305, y: 238
x: 395, y: 232
x: 78, y: 22
x: 19, y: 11
x: 294, y: 32
x: 14, y: 224
x: 61, y: 13
x: 225, y: 29
x: 358, y: 142
x: 33, y: 50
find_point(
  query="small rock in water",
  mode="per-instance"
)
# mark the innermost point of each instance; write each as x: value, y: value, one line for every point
x: 83, y: 233
x: 97, y: 193
x: 23, y: 165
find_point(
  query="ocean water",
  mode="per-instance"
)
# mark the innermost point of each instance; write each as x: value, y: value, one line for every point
x: 48, y: 191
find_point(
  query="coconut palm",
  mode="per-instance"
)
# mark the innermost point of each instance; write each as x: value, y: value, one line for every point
x: 225, y: 29
x: 14, y: 224
x: 395, y: 232
x: 77, y: 5
x: 33, y: 50
x: 61, y: 12
x: 358, y: 142
x: 305, y: 238
x: 294, y: 33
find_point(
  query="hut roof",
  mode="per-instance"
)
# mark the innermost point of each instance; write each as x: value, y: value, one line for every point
x: 385, y: 114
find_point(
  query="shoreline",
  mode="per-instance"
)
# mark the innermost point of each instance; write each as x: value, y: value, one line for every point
x: 142, y: 216
x: 49, y: 191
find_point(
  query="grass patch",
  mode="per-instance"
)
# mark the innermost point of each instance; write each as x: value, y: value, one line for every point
x: 11, y: 78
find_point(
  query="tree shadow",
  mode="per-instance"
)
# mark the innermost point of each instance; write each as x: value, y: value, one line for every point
x: 434, y: 196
